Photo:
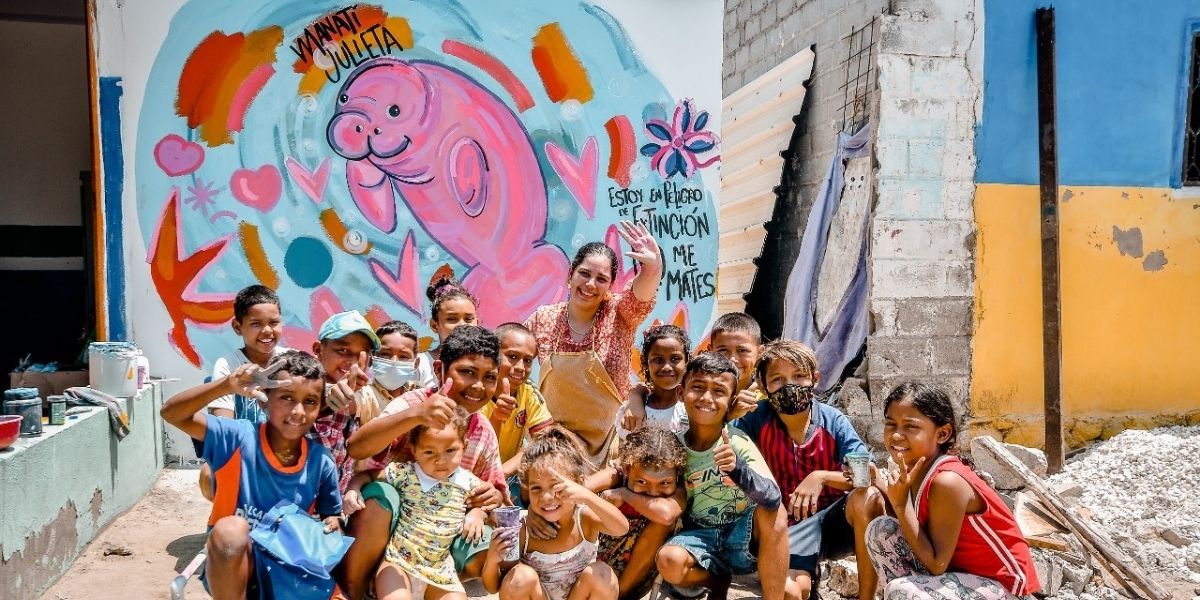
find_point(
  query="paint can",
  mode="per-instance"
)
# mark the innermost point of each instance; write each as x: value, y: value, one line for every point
x: 58, y: 410
x: 30, y: 411
x: 113, y: 369
x: 143, y: 370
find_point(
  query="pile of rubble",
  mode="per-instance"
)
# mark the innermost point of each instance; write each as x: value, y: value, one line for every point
x: 1140, y: 490
x: 1143, y: 488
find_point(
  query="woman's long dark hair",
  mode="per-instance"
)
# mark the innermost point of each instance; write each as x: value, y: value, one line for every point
x: 595, y: 249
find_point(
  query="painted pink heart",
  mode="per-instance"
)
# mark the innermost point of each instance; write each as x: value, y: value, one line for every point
x: 578, y: 174
x: 312, y: 182
x: 322, y: 304
x: 405, y: 284
x: 177, y: 156
x: 257, y: 188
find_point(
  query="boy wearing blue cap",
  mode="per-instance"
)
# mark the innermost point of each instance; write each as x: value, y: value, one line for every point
x: 345, y: 343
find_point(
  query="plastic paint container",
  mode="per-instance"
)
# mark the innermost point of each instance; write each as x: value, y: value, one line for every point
x: 58, y: 410
x: 143, y: 370
x: 113, y: 369
x: 30, y: 411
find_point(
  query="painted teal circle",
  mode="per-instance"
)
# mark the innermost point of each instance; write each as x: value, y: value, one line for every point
x: 308, y: 262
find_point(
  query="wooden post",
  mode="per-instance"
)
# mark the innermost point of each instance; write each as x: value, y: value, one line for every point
x: 1048, y: 175
x: 1109, y: 553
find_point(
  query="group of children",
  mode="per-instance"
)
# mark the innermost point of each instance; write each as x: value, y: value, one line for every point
x: 728, y: 464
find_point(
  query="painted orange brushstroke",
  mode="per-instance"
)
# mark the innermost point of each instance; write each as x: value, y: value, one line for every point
x: 256, y: 257
x: 402, y: 30
x: 175, y: 277
x: 562, y: 74
x: 213, y: 90
x: 208, y: 61
x: 376, y: 316
x: 678, y: 318
x: 336, y: 230
x: 624, y: 149
x: 443, y: 271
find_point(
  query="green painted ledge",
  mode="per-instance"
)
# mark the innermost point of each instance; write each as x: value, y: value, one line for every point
x: 58, y: 490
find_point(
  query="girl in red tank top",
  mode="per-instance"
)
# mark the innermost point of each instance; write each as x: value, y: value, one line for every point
x: 951, y: 536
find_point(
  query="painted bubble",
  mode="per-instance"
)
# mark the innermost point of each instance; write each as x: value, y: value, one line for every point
x: 308, y: 262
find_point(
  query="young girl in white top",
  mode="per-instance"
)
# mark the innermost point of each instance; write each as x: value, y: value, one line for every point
x: 451, y: 305
x: 666, y: 351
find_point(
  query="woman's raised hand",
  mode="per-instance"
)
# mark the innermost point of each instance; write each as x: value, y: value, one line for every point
x: 643, y: 248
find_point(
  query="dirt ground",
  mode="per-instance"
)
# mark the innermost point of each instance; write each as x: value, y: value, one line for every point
x: 138, y: 554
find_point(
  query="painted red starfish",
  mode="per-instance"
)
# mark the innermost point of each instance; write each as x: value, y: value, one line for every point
x: 176, y: 279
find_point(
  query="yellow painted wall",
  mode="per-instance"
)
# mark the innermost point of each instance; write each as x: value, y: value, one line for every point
x: 1130, y: 332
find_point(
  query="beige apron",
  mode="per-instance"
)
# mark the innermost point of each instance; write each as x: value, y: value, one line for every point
x: 581, y: 396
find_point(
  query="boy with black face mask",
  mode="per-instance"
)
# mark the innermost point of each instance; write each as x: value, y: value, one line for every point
x: 805, y: 442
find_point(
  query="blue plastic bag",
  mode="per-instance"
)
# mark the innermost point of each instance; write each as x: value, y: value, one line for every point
x: 294, y: 556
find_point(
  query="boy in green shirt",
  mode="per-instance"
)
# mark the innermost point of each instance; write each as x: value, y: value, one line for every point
x: 730, y: 495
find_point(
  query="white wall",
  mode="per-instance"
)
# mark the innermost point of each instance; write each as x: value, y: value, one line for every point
x: 45, y: 135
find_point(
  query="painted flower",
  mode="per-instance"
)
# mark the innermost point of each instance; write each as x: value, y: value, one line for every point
x: 677, y: 146
x: 202, y: 196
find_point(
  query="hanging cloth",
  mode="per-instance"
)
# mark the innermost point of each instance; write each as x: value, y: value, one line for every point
x: 841, y: 341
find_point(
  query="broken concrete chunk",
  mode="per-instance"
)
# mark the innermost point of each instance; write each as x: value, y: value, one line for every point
x: 1076, y: 577
x: 1173, y: 538
x: 1004, y: 478
x: 1069, y: 490
x: 843, y: 578
x: 987, y: 478
x: 111, y: 550
x: 1049, y: 572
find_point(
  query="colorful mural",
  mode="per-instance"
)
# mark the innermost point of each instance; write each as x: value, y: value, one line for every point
x: 344, y: 154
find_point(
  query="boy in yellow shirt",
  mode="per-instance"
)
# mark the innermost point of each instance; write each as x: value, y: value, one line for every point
x: 518, y: 411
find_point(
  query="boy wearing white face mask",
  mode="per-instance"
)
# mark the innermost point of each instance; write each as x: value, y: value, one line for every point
x: 395, y: 369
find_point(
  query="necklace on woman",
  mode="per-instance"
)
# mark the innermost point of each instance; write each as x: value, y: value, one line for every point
x: 591, y: 324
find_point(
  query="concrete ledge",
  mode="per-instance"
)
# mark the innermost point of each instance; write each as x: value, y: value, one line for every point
x: 58, y: 490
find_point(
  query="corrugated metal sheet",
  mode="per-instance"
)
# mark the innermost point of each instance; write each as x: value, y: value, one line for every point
x: 756, y: 126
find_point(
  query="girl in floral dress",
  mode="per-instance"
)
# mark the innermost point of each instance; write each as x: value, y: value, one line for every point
x: 433, y: 491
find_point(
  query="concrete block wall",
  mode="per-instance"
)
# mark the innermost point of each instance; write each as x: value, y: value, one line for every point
x: 760, y: 34
x: 923, y: 231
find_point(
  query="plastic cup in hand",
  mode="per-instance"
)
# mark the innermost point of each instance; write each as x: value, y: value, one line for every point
x: 508, y: 520
x: 860, y: 468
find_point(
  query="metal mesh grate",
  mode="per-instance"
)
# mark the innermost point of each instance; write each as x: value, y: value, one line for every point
x: 860, y: 81
x: 1191, y: 135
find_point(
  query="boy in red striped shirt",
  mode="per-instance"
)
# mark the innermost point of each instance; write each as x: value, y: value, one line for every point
x: 804, y: 444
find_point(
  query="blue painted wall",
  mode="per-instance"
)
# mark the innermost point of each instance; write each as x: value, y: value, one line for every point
x: 114, y: 185
x: 1122, y: 70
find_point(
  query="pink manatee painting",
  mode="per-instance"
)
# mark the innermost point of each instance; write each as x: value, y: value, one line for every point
x: 462, y: 161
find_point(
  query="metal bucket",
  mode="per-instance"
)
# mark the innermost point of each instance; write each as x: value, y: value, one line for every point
x: 30, y: 411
